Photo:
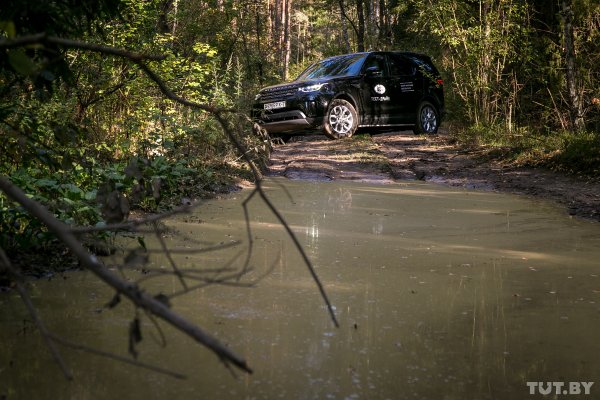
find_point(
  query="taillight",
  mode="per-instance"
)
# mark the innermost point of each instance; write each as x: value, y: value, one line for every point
x: 440, y: 82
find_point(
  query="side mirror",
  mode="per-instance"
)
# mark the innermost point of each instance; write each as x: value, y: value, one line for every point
x: 373, y: 71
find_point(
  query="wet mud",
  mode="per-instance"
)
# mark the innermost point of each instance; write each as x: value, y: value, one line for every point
x: 400, y: 156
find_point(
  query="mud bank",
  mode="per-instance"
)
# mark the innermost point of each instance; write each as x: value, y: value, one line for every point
x: 396, y: 156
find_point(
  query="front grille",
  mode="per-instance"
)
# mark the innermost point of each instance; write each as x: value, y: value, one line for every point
x: 278, y: 94
x: 283, y: 116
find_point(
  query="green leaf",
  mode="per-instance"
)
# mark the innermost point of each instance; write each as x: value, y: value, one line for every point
x: 46, y: 183
x: 71, y: 188
x: 21, y: 62
x: 91, y: 195
x: 9, y: 28
x: 142, y: 243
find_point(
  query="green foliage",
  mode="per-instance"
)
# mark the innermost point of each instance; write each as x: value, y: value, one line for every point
x: 68, y: 201
x: 575, y: 153
x: 580, y: 154
x: 487, y: 45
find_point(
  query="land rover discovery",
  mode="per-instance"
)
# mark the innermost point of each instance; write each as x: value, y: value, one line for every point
x: 340, y: 94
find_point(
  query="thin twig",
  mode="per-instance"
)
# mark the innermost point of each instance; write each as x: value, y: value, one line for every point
x: 14, y: 273
x: 167, y: 252
x: 116, y: 357
x: 131, y: 224
x: 193, y: 277
x: 303, y: 254
x: 225, y: 268
x: 163, y: 338
x: 217, y: 114
x: 188, y: 271
x: 248, y: 228
x: 226, y: 281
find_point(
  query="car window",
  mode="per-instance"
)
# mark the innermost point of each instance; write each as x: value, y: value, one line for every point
x: 348, y: 65
x: 400, y: 65
x: 424, y: 65
x: 376, y: 60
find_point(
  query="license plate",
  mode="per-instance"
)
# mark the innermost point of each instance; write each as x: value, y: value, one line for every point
x: 272, y: 106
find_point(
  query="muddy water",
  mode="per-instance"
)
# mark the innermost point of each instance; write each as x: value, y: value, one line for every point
x: 440, y: 294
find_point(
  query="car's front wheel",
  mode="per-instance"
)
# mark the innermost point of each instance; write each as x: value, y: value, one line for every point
x: 341, y: 119
x: 428, y: 119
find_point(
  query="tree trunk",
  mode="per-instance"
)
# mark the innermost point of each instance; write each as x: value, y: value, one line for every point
x: 360, y: 40
x: 575, y: 103
x: 344, y: 15
x: 287, y: 37
x: 383, y: 25
x: 175, y: 10
x: 163, y: 21
x: 345, y: 38
x: 258, y: 44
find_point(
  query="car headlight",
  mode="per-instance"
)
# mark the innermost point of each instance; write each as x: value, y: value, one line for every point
x: 311, y: 88
x: 257, y: 97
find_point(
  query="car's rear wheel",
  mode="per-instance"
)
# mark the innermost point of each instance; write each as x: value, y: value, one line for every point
x: 341, y: 119
x: 428, y: 119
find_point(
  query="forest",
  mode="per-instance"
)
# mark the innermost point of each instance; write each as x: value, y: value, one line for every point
x: 119, y: 105
x: 114, y: 107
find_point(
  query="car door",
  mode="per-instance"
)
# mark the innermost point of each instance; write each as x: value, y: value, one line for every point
x: 375, y: 98
x: 404, y: 89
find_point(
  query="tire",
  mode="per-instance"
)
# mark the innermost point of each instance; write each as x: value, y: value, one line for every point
x: 341, y: 120
x: 428, y: 119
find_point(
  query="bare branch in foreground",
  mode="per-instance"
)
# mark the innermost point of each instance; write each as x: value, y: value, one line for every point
x: 146, y: 302
x: 217, y: 113
x: 131, y: 291
x: 43, y: 38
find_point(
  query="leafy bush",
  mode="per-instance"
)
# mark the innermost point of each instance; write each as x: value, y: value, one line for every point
x: 572, y: 152
x: 580, y: 154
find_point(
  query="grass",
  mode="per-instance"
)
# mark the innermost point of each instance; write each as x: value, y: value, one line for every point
x: 364, y: 150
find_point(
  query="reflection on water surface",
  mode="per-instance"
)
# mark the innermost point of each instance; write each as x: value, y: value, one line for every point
x: 440, y: 294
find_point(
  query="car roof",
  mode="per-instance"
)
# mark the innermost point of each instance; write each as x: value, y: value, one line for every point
x: 406, y: 53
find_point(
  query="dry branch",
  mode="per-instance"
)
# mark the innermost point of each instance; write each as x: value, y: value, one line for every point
x: 68, y: 234
x: 131, y: 291
x: 43, y: 38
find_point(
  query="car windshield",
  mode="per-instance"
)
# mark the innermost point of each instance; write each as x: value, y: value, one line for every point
x: 347, y: 65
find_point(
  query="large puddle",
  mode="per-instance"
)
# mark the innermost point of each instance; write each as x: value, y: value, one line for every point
x: 440, y: 294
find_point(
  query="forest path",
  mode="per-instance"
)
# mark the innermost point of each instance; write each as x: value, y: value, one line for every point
x: 386, y: 157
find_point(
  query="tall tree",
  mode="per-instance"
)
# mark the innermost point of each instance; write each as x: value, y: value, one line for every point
x: 287, y: 37
x: 571, y: 72
x: 360, y: 32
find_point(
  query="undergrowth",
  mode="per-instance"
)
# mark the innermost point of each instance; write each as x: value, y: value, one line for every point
x: 577, y: 153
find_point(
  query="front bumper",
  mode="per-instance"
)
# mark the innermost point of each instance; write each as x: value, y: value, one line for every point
x: 288, y: 121
x: 299, y: 114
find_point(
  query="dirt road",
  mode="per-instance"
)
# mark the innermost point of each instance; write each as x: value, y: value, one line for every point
x: 390, y: 157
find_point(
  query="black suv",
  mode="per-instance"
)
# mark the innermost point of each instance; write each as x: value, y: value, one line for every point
x: 342, y: 93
